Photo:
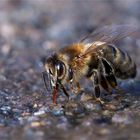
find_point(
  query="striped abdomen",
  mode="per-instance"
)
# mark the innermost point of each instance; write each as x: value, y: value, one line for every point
x: 122, y: 63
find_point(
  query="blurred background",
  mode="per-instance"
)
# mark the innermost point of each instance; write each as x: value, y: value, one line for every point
x: 29, y: 29
x: 45, y: 24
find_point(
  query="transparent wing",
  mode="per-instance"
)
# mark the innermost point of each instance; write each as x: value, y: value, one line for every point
x: 106, y: 35
x: 109, y: 34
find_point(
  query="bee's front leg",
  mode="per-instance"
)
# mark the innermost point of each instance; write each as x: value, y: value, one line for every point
x: 55, y: 91
x: 47, y: 80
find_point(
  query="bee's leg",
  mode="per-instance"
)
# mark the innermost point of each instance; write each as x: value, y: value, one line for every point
x: 108, y: 73
x: 44, y: 75
x: 78, y: 87
x: 104, y: 84
x: 97, y: 91
x: 75, y: 87
x: 112, y: 81
x: 65, y: 92
x: 55, y: 90
x: 71, y: 86
x: 102, y: 74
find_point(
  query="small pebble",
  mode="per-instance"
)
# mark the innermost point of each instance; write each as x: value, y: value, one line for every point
x: 36, y: 124
x: 122, y: 117
x: 62, y: 123
x: 85, y: 97
x: 39, y: 113
x: 24, y: 114
x: 32, y: 118
x: 109, y: 107
x: 104, y: 131
x: 92, y: 106
x: 75, y: 109
x: 6, y: 110
x: 57, y: 110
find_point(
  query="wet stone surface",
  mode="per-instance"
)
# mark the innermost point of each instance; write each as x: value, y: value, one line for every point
x: 30, y: 30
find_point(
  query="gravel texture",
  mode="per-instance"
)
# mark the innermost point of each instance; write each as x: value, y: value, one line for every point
x: 30, y: 29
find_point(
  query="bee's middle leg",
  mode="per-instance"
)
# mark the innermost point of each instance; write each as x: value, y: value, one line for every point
x: 97, y: 91
x: 65, y: 91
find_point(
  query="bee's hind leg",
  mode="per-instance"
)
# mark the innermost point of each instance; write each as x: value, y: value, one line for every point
x: 108, y: 77
x: 108, y: 73
x: 104, y: 83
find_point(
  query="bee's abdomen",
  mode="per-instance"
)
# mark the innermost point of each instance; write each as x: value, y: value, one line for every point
x: 124, y: 66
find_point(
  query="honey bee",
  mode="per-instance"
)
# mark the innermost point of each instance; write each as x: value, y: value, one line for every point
x: 94, y: 57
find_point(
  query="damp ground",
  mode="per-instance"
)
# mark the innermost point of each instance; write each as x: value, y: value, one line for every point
x: 30, y: 30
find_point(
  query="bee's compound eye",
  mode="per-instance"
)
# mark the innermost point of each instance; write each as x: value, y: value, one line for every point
x: 60, y: 69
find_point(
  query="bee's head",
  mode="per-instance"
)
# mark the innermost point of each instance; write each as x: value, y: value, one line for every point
x: 55, y: 68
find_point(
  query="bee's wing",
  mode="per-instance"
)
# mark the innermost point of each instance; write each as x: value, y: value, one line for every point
x: 106, y: 35
x: 109, y: 34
